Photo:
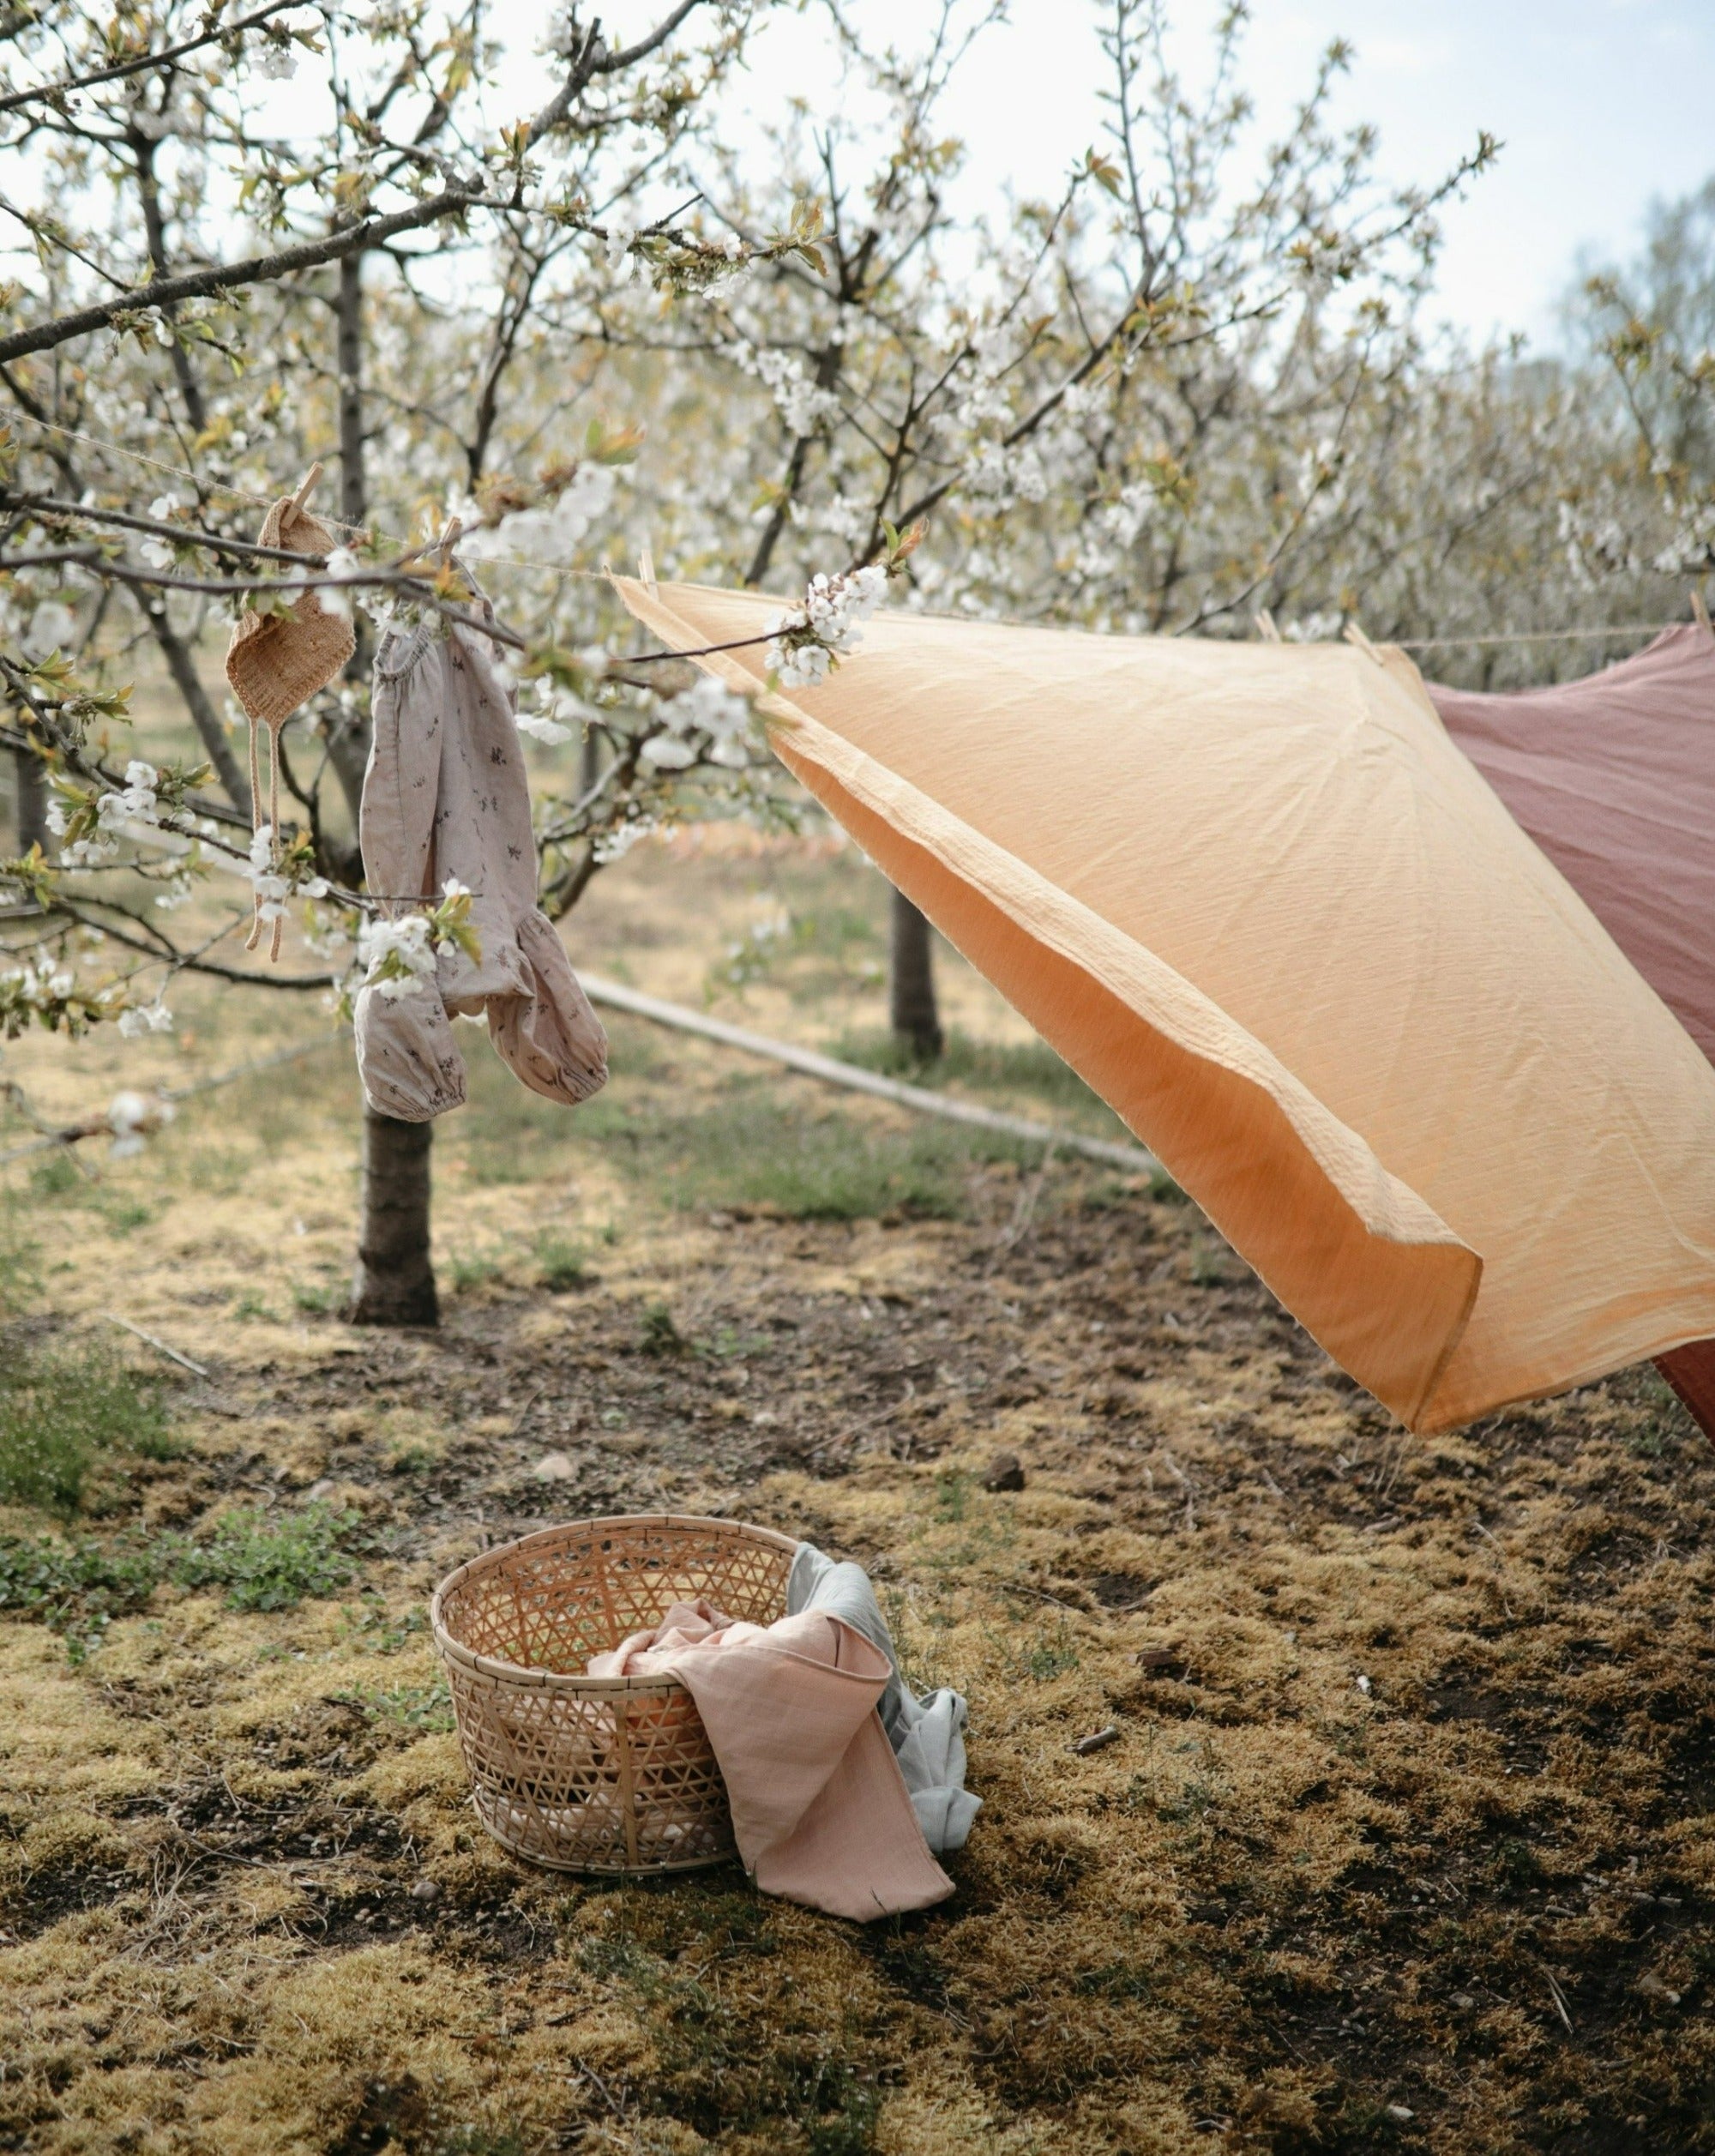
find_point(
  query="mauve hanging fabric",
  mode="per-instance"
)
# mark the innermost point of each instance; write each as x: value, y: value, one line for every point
x: 1614, y: 777
x: 1256, y: 896
x: 446, y: 796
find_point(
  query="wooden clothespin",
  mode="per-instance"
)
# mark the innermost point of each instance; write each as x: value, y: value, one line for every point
x: 646, y: 571
x: 441, y: 548
x: 1700, y: 610
x: 306, y: 487
x: 1265, y: 626
x: 1354, y: 635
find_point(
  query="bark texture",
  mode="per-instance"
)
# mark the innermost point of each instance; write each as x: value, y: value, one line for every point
x: 394, y: 1283
x: 348, y: 734
x: 915, y: 1015
x: 30, y: 800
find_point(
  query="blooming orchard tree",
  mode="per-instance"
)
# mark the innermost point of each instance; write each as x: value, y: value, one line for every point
x: 1195, y: 387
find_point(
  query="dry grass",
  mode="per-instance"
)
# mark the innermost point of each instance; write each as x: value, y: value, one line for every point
x: 1408, y: 1839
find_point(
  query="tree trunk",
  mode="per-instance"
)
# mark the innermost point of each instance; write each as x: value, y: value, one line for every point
x: 916, y: 1019
x: 348, y: 739
x: 395, y: 1283
x: 30, y: 800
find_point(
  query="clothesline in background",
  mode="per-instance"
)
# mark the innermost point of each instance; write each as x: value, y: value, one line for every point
x: 600, y: 576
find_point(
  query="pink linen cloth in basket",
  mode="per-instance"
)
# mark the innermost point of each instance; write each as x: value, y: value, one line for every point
x: 820, y: 1809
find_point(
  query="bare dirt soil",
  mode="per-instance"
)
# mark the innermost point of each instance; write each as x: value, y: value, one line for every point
x: 1406, y: 1839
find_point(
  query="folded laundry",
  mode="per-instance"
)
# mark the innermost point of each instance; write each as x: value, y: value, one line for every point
x: 834, y: 1803
x: 445, y: 798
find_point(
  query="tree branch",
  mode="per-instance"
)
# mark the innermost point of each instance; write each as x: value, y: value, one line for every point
x: 50, y: 92
x: 256, y: 269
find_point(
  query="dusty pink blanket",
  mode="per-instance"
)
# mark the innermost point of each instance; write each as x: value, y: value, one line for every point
x: 1614, y: 777
x: 820, y: 1809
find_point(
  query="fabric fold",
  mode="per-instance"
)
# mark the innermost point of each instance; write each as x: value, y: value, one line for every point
x: 820, y: 1809
x: 927, y: 1734
x: 1257, y: 898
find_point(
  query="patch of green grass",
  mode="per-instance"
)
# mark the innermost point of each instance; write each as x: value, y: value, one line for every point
x: 57, y: 1177
x: 76, y: 1588
x: 426, y: 1707
x: 271, y: 1563
x: 660, y: 1335
x: 561, y: 1265
x: 472, y: 1269
x: 1029, y: 1066
x: 374, y: 1627
x: 250, y: 1304
x: 751, y: 1151
x: 316, y: 1302
x: 63, y: 1411
x: 20, y: 1275
x: 1040, y: 1656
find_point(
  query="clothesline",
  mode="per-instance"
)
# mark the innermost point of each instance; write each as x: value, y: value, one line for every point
x: 598, y: 576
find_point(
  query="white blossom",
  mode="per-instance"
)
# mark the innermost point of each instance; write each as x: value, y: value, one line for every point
x: 131, y: 1116
x: 614, y: 845
x: 336, y: 598
x: 52, y: 626
x: 405, y: 941
x: 138, y: 1019
x: 549, y: 533
x: 805, y: 640
x: 800, y: 403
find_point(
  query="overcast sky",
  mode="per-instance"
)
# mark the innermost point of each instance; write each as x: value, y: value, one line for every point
x: 1603, y: 105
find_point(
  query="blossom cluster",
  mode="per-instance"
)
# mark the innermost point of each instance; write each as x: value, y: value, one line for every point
x: 550, y: 532
x: 92, y: 837
x: 397, y: 952
x: 806, y: 641
x: 707, y: 722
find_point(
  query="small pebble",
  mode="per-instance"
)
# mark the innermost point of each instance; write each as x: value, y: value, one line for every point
x: 1158, y: 1657
x: 554, y: 1467
x: 425, y: 1890
x: 318, y: 1490
x: 1099, y: 1740
x: 1464, y: 2001
x: 1005, y: 1472
x: 1363, y: 1686
x: 1400, y: 2111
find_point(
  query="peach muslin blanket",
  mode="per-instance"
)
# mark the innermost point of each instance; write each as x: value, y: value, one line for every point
x: 1258, y: 898
x: 820, y: 1809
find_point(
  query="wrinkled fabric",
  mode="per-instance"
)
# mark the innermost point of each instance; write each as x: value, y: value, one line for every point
x: 1257, y: 898
x: 927, y: 1734
x: 820, y: 1809
x: 1613, y: 778
x: 445, y: 795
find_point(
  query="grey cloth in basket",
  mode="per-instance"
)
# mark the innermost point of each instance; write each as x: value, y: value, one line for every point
x: 927, y: 1734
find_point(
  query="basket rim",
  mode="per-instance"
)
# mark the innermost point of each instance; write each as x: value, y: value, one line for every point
x: 516, y: 1673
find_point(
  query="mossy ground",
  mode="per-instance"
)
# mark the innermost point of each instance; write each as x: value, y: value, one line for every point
x: 1408, y: 1837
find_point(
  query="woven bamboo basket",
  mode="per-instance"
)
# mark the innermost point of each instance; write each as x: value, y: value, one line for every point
x: 597, y: 1773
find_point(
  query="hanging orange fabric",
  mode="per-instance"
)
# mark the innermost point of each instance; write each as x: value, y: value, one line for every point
x: 1258, y: 898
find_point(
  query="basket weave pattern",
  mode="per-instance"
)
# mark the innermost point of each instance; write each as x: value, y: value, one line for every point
x: 588, y: 1774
